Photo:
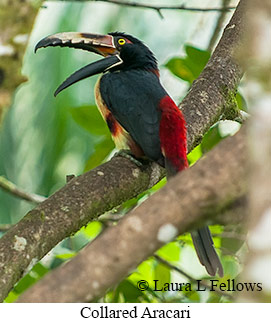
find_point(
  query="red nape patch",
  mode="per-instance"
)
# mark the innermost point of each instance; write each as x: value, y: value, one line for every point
x: 128, y: 41
x: 173, y: 134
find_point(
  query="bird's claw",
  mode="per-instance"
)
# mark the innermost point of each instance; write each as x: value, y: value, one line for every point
x: 127, y: 154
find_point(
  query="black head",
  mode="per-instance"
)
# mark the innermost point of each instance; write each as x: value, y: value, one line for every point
x: 121, y: 52
x: 134, y: 53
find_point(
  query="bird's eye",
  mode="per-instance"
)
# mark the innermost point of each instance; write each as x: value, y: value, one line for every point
x: 121, y: 41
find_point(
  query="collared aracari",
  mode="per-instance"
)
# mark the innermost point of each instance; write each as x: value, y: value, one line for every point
x: 139, y: 112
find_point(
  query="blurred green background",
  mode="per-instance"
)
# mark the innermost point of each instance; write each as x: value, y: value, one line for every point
x: 43, y: 139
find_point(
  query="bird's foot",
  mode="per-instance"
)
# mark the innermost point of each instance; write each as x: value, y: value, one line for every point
x: 127, y: 154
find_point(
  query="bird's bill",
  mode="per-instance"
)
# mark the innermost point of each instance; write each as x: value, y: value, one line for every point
x: 91, y: 69
x: 99, y: 44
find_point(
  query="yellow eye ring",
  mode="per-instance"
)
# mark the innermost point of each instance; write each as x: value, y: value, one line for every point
x: 121, y: 41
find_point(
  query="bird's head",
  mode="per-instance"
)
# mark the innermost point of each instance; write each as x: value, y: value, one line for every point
x: 121, y: 52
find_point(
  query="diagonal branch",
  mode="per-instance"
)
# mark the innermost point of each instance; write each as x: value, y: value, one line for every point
x: 212, y: 95
x: 183, y: 204
x: 93, y: 193
x: 158, y: 9
x: 163, y: 7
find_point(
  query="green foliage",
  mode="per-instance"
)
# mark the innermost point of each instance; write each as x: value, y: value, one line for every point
x: 170, y: 252
x: 241, y: 102
x: 38, y: 138
x: 45, y: 138
x: 162, y: 275
x: 128, y: 293
x: 188, y: 68
x: 37, y: 272
x: 211, y: 139
x: 89, y: 118
x: 92, y: 229
x: 194, y: 155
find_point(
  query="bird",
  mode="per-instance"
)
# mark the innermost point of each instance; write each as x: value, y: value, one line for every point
x: 139, y: 113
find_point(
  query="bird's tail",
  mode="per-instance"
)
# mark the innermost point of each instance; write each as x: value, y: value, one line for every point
x: 202, y: 239
x: 173, y: 144
x: 207, y: 255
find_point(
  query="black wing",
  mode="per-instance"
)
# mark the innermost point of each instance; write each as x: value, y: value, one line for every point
x: 133, y: 98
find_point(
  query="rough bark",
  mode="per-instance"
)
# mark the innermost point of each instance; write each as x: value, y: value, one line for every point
x: 91, y: 194
x: 214, y: 91
x: 16, y: 20
x: 183, y: 204
x: 65, y: 212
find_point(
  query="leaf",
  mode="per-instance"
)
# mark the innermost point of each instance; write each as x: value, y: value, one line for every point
x: 211, y: 138
x: 196, y: 60
x: 159, y: 185
x: 24, y: 283
x: 145, y: 271
x: 233, y: 244
x: 12, y: 296
x: 129, y: 291
x: 92, y: 229
x: 33, y: 276
x: 179, y: 67
x: 230, y: 266
x: 241, y: 102
x: 78, y: 241
x: 214, y: 298
x: 162, y: 274
x: 170, y: 252
x: 129, y: 204
x: 194, y: 155
x: 102, y: 150
x: 66, y: 256
x: 200, y: 55
x: 188, y: 68
x: 40, y: 269
x: 89, y: 118
x: 192, y: 297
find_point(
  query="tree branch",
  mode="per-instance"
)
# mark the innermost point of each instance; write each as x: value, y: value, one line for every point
x: 235, y: 214
x: 107, y: 186
x: 18, y: 192
x: 212, y: 95
x: 158, y: 9
x: 180, y: 206
x: 82, y: 199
